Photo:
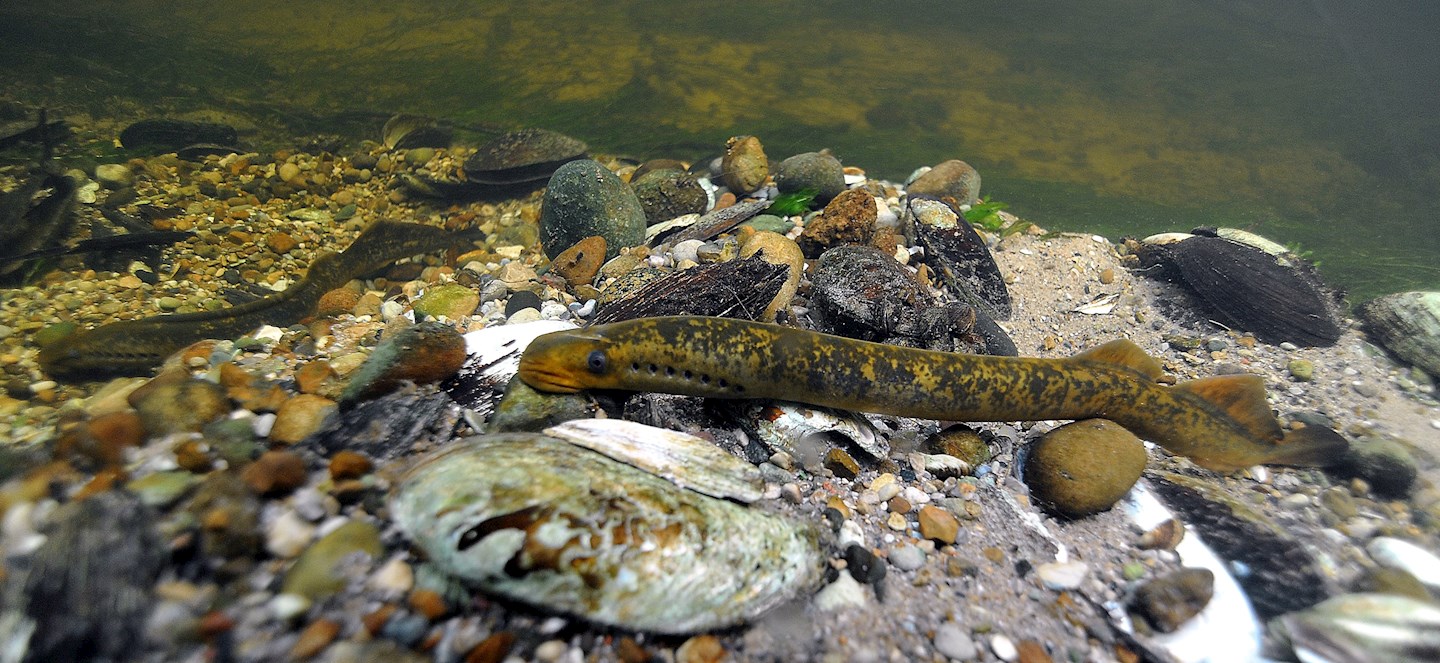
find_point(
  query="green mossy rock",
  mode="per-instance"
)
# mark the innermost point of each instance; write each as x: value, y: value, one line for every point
x: 1083, y: 468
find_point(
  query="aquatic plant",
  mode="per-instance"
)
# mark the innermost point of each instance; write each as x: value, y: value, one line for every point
x: 985, y: 215
x: 792, y: 204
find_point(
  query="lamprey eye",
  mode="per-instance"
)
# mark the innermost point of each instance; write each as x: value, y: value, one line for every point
x: 596, y: 362
x: 469, y: 538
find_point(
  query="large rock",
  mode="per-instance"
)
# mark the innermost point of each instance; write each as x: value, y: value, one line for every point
x: 1084, y: 467
x: 951, y: 179
x: 813, y: 171
x: 584, y: 198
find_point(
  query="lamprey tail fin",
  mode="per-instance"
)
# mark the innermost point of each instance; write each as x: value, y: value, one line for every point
x: 1240, y: 397
x: 1125, y: 353
x: 1311, y: 446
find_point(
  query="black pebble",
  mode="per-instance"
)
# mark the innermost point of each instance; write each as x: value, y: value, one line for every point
x: 521, y: 300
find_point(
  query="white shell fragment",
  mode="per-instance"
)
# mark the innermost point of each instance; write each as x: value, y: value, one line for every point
x: 540, y: 520
x: 684, y: 460
x: 807, y: 432
x: 1402, y: 555
x: 1101, y: 305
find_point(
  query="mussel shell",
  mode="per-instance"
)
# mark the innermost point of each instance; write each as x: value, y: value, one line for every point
x: 547, y: 523
x: 521, y: 156
x: 1366, y: 627
x: 403, y: 132
x: 1253, y: 291
x: 1408, y: 325
x: 959, y: 253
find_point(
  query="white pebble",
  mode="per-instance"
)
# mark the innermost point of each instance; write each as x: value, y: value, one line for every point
x: 1062, y: 575
x: 288, y: 535
x: 953, y: 642
x: 390, y: 310
x: 1004, y: 649
x: 850, y: 533
x: 842, y: 593
x: 261, y: 424
x: 551, y: 650
x: 394, y: 578
x: 687, y: 250
x: 286, y: 607
x: 907, y: 557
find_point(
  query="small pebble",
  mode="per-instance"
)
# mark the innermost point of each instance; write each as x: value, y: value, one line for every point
x: 1062, y: 576
x: 1004, y: 648
x: 953, y: 642
x: 907, y: 557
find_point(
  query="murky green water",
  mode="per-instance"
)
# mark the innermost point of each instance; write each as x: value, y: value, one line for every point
x: 1309, y: 122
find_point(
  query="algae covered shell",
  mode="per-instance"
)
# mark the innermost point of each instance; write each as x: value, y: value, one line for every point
x: 526, y: 155
x: 1408, y: 325
x: 542, y: 521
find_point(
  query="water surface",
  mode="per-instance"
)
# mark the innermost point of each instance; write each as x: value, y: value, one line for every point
x: 1310, y: 122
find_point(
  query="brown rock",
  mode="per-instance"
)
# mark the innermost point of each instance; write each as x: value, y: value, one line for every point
x: 579, y: 264
x: 841, y: 464
x: 938, y: 524
x: 375, y: 620
x: 174, y: 402
x: 299, y: 417
x: 428, y: 604
x: 953, y: 179
x: 962, y: 442
x: 493, y: 649
x: 1032, y: 652
x: 280, y: 242
x: 105, y: 438
x: 427, y: 352
x: 337, y: 302
x: 251, y: 392
x: 777, y: 249
x: 700, y: 649
x: 1084, y: 467
x: 744, y: 168
x: 630, y: 651
x: 313, y: 377
x: 314, y: 639
x: 275, y: 473
x: 346, y: 464
x: 1168, y: 601
x: 848, y: 219
x: 194, y: 456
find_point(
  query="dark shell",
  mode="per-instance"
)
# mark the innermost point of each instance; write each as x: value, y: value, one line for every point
x: 955, y: 250
x: 165, y: 134
x: 526, y: 155
x: 1253, y: 291
x: 403, y: 132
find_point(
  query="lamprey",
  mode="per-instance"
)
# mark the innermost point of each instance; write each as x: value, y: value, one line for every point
x: 1222, y: 423
x: 134, y: 347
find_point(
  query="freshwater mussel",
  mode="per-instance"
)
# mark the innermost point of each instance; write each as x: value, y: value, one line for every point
x: 544, y: 521
x: 1277, y: 297
x: 523, y: 156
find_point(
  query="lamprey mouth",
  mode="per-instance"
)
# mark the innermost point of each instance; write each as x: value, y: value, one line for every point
x: 543, y: 379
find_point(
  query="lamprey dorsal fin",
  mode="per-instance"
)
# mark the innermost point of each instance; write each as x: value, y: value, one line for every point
x: 1240, y: 397
x: 1125, y: 353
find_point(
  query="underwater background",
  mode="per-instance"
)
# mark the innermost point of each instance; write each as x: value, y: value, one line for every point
x: 1312, y: 123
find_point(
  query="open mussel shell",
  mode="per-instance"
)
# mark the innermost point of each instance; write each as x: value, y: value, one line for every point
x: 526, y: 155
x: 1358, y: 628
x: 959, y: 253
x: 1408, y: 325
x: 541, y: 521
x: 1255, y: 292
x: 404, y: 131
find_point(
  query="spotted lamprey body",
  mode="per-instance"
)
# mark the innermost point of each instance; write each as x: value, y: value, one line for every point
x: 1222, y: 423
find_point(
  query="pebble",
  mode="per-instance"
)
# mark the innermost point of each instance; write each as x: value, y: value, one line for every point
x: 744, y: 168
x: 423, y: 353
x: 938, y: 525
x: 346, y: 464
x: 845, y: 592
x: 299, y: 416
x: 288, y: 534
x: 175, y: 402
x: 1084, y: 467
x: 1004, y: 648
x: 319, y: 572
x: 1062, y: 576
x: 315, y: 638
x: 1170, y: 600
x: 701, y: 649
x: 813, y: 171
x: 275, y: 473
x: 286, y: 607
x: 578, y: 265
x: 848, y: 219
x: 954, y: 178
x: 493, y: 649
x: 841, y: 464
x: 907, y: 557
x: 953, y: 642
x: 584, y: 199
x: 452, y: 300
x: 393, y: 579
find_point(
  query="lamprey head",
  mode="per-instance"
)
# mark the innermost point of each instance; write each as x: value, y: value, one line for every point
x: 567, y: 361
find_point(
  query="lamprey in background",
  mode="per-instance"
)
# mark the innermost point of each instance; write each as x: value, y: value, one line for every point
x: 134, y: 347
x: 1222, y: 423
